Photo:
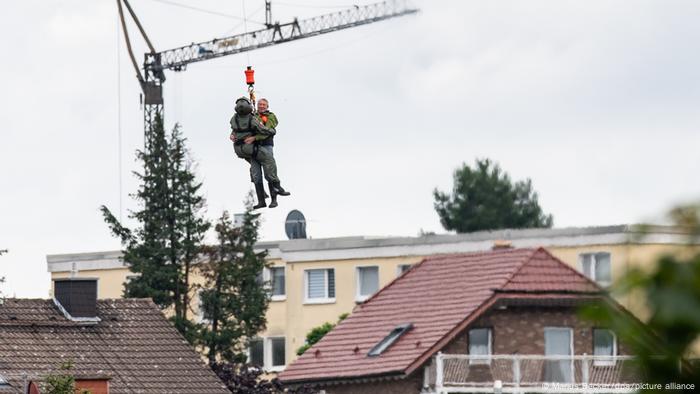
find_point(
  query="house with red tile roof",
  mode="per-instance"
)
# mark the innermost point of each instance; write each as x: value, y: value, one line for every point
x: 468, y: 323
x: 115, y: 346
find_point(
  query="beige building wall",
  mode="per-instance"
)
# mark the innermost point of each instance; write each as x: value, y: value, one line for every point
x: 292, y: 317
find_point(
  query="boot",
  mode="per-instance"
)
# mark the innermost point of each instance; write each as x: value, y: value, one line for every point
x: 260, y: 192
x: 278, y: 189
x: 273, y: 195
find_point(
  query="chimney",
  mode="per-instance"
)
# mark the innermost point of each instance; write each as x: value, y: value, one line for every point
x: 77, y: 298
x: 500, y: 244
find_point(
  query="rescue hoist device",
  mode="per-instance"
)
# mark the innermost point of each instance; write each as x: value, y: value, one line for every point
x: 250, y: 80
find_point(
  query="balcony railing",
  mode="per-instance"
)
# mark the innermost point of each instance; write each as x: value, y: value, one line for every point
x: 456, y: 373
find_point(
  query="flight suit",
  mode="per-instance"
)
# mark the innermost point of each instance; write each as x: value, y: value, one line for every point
x: 243, y: 126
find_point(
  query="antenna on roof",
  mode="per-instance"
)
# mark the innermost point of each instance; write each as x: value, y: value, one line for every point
x: 295, y: 225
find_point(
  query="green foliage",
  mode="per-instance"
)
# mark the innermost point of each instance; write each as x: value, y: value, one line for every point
x: 233, y: 300
x: 171, y: 229
x: 61, y: 381
x: 244, y: 379
x: 316, y: 333
x: 671, y: 294
x: 485, y: 198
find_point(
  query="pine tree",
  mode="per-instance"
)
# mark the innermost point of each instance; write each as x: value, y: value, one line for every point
x: 162, y: 249
x: 484, y: 198
x: 234, y: 300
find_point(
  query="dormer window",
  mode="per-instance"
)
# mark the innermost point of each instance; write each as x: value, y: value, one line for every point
x: 389, y: 340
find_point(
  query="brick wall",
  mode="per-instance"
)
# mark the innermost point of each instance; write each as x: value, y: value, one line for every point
x: 515, y: 330
x: 411, y: 385
x: 94, y: 386
x: 520, y: 330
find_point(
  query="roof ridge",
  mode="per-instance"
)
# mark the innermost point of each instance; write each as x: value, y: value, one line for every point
x: 515, y: 272
x: 570, y: 268
x: 442, y: 256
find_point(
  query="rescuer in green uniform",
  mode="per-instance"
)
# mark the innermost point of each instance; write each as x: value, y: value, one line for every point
x: 269, y: 119
x: 246, y: 132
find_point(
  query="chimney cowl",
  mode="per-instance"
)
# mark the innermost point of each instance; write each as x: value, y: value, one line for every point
x: 502, y: 244
x: 77, y: 298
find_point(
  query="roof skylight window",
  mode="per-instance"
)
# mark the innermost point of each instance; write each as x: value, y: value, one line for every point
x: 389, y: 340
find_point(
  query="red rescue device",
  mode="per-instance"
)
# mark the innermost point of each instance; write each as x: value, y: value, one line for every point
x: 250, y: 76
x: 250, y: 80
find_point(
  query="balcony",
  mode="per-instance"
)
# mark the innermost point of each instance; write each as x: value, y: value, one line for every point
x: 456, y: 373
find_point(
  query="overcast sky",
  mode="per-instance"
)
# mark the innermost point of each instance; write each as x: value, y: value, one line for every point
x: 595, y: 101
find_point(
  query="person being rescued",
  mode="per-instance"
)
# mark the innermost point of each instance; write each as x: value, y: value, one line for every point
x: 249, y: 134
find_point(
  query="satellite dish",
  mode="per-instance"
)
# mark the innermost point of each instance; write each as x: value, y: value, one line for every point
x: 295, y: 225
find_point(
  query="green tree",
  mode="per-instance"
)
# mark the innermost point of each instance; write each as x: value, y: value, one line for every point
x: 671, y: 295
x: 169, y: 237
x: 234, y: 300
x: 61, y: 381
x: 316, y: 333
x: 485, y: 198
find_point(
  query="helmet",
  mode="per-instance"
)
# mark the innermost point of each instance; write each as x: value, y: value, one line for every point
x: 244, y: 106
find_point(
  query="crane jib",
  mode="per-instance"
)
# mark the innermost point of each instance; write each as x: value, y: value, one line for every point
x: 178, y: 58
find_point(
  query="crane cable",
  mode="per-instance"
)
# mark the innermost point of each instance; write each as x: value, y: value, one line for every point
x: 249, y: 71
x: 245, y: 27
x: 119, y: 123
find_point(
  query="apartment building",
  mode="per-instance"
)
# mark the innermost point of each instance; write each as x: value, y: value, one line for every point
x: 316, y: 280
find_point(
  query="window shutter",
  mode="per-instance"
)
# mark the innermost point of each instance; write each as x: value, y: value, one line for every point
x: 316, y: 283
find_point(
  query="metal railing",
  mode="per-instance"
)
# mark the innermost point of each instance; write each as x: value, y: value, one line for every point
x: 456, y: 373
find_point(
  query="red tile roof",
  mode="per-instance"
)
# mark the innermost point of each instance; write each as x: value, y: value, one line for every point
x: 438, y: 295
x: 133, y: 345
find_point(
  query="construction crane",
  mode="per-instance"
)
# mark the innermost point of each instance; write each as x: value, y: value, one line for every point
x: 177, y: 59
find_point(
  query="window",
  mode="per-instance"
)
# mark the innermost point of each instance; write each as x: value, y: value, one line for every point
x: 199, y: 312
x: 604, y: 344
x: 277, y: 353
x: 401, y: 268
x: 367, y: 282
x: 256, y: 353
x: 480, y: 345
x: 320, y: 286
x: 389, y: 340
x: 268, y: 353
x: 596, y: 266
x: 558, y: 342
x: 278, y: 283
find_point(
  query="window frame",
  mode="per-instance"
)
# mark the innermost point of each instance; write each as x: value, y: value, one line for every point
x: 249, y: 352
x: 305, y: 288
x: 269, y: 354
x: 400, y: 271
x: 269, y: 277
x: 572, y: 350
x: 487, y: 358
x: 604, y: 362
x: 594, y: 263
x: 358, y: 285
